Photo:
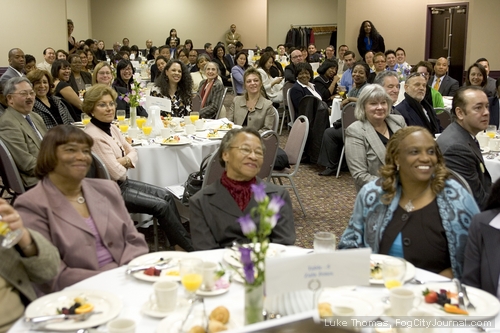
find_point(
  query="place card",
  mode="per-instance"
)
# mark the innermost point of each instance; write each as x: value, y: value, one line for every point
x: 163, y: 103
x: 317, y: 270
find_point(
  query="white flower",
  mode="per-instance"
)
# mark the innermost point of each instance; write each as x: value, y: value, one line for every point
x: 137, y: 77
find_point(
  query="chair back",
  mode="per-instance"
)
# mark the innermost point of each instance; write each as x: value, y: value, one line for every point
x: 12, y: 182
x: 347, y: 117
x: 297, y: 140
x: 196, y: 103
x: 444, y: 117
x: 233, y: 84
x: 213, y: 171
x: 221, y: 103
x: 97, y: 168
x: 456, y: 176
x: 286, y: 87
x: 276, y: 123
x: 271, y: 141
x: 291, y: 109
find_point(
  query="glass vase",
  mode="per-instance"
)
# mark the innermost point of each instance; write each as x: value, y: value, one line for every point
x: 254, y: 304
x: 133, y: 116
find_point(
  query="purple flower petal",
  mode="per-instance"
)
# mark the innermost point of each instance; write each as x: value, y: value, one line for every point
x: 248, y: 266
x: 259, y: 191
x: 275, y: 204
x: 274, y: 219
x: 127, y: 99
x: 247, y: 224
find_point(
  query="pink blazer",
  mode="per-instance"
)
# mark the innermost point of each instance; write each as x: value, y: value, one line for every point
x: 46, y: 210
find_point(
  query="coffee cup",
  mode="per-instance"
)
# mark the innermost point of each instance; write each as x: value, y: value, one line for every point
x: 165, y: 295
x: 165, y: 133
x: 199, y: 124
x: 209, y: 270
x: 494, y: 144
x: 190, y: 129
x: 402, y: 300
x: 121, y: 325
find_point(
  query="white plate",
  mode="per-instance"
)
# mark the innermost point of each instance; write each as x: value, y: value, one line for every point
x: 485, y: 150
x: 214, y: 292
x: 410, y: 268
x: 172, y: 324
x: 363, y: 304
x: 109, y: 304
x: 152, y: 258
x: 205, y: 136
x: 487, y: 305
x: 182, y: 141
x: 233, y: 257
x: 149, y: 308
x: 228, y: 129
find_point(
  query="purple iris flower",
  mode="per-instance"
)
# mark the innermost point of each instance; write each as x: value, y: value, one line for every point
x: 246, y: 260
x: 275, y: 204
x: 259, y: 191
x: 247, y: 224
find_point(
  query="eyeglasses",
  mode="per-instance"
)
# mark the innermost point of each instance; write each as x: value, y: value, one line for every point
x: 104, y: 105
x: 379, y: 61
x: 412, y: 75
x: 127, y: 69
x: 25, y: 94
x: 247, y: 151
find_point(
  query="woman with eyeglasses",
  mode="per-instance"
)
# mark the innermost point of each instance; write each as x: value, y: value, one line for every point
x: 214, y: 209
x: 119, y: 156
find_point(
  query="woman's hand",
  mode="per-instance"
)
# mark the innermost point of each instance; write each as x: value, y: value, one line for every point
x: 10, y: 216
x: 277, y: 80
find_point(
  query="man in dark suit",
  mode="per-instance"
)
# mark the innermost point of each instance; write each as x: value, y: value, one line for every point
x: 458, y: 144
x: 231, y: 53
x: 445, y: 84
x: 490, y: 87
x: 296, y: 58
x: 494, y: 107
x: 20, y: 129
x: 16, y: 65
x: 149, y: 45
x: 414, y: 108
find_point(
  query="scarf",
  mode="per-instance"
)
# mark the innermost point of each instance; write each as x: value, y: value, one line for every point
x: 431, y: 122
x: 240, y: 191
x: 205, y: 91
x: 106, y: 127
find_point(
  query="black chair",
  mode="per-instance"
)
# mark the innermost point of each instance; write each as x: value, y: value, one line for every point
x: 271, y: 141
x: 347, y: 117
x: 98, y: 169
x: 319, y: 121
x: 444, y: 117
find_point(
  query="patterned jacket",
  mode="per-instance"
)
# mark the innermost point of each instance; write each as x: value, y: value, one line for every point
x: 43, y: 111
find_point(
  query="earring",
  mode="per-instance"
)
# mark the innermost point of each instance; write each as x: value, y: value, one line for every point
x: 397, y: 167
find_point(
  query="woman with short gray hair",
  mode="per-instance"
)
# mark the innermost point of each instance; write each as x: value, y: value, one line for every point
x: 211, y: 90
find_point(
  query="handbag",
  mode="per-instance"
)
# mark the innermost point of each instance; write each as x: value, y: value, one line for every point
x: 194, y: 182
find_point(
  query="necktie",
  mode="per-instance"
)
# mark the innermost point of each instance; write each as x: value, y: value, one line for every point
x: 436, y: 85
x: 28, y: 118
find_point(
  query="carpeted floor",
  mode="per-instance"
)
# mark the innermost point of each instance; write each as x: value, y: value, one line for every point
x: 328, y: 201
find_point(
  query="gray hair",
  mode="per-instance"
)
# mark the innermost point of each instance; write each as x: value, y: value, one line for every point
x: 216, y: 66
x: 203, y: 55
x: 228, y: 140
x: 10, y: 85
x: 380, y: 78
x: 372, y: 91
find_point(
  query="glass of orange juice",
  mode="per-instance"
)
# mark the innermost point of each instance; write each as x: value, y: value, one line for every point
x: 194, y: 116
x: 393, y: 272
x: 191, y: 273
x: 11, y: 237
x: 140, y: 122
x: 120, y: 115
x: 123, y: 126
x: 85, y: 119
x: 491, y: 131
x: 147, y: 130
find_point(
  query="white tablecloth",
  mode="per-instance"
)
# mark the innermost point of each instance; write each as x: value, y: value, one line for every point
x: 336, y: 113
x: 493, y: 167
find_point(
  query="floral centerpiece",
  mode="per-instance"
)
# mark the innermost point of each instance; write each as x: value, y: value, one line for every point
x: 257, y: 226
x: 403, y: 72
x: 134, y: 97
x: 322, y: 56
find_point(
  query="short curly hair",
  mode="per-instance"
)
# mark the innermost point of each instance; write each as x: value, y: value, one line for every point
x: 94, y: 95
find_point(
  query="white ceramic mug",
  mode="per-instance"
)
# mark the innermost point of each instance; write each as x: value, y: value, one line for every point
x: 165, y: 295
x: 121, y: 325
x: 187, y: 120
x: 190, y: 129
x: 200, y: 123
x: 165, y: 132
x: 209, y: 270
x: 494, y: 144
x: 401, y: 301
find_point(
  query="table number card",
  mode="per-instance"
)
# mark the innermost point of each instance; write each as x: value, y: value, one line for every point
x: 163, y: 103
x: 317, y: 270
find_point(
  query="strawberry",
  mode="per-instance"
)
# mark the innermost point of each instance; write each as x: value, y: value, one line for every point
x: 150, y: 271
x: 157, y: 272
x: 430, y: 296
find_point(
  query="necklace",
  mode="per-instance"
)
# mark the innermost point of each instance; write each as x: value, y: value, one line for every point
x: 80, y: 200
x: 409, y: 207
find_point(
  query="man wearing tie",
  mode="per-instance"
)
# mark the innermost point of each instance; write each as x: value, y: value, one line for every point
x: 20, y: 129
x: 231, y: 52
x: 16, y: 65
x: 446, y: 85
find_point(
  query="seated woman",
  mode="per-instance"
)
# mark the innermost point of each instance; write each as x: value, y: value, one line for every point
x: 367, y: 137
x: 176, y: 84
x: 158, y: 66
x: 273, y: 86
x: 360, y: 73
x: 188, y: 44
x: 224, y: 66
x: 199, y: 75
x: 476, y: 76
x: 326, y: 82
x: 33, y: 260
x: 124, y: 73
x: 78, y: 79
x: 252, y: 109
x: 134, y: 50
x: 84, y: 218
x: 210, y: 91
x: 61, y: 72
x: 183, y: 55
x: 49, y: 107
x: 238, y: 70
x: 83, y: 57
x: 214, y: 209
x: 30, y: 63
x: 302, y: 86
x: 413, y: 211
x: 481, y: 267
x: 101, y: 51
x: 92, y: 60
x: 61, y: 54
x: 379, y: 62
x: 119, y: 156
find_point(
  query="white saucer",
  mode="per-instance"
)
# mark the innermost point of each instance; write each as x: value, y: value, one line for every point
x: 214, y: 292
x: 200, y: 130
x: 149, y: 308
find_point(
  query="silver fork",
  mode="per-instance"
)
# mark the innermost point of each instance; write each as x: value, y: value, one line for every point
x: 470, y: 306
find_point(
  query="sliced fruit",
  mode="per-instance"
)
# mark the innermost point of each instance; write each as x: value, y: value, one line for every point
x: 87, y: 307
x: 150, y: 271
x: 450, y: 308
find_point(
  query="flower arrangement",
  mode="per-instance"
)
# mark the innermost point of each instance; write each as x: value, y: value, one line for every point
x: 403, y: 72
x: 134, y: 96
x: 322, y: 56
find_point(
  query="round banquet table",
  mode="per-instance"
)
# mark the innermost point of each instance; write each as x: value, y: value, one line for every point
x: 493, y: 166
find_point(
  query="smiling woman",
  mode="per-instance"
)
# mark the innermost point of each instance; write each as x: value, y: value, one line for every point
x: 61, y: 72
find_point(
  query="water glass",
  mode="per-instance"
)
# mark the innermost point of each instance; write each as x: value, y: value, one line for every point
x: 324, y: 242
x: 393, y: 272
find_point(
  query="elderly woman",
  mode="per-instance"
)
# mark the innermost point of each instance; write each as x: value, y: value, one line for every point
x: 61, y: 72
x: 360, y: 73
x: 78, y: 79
x: 326, y: 82
x: 210, y: 91
x: 481, y: 267
x: 413, y: 211
x: 84, y: 218
x: 49, y: 107
x: 199, y: 75
x: 369, y: 39
x: 176, y: 84
x: 214, y: 209
x: 119, y: 156
x: 224, y: 66
x: 252, y: 109
x: 476, y: 76
x: 273, y: 86
x: 367, y: 137
x: 238, y: 70
x: 302, y: 86
x: 34, y: 259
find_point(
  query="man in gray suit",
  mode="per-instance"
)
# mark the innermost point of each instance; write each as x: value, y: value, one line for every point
x: 20, y: 129
x: 458, y: 143
x: 16, y: 65
x: 490, y: 87
x: 445, y: 84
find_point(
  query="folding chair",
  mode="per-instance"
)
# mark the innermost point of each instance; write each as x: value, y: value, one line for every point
x: 12, y: 182
x: 271, y: 141
x: 221, y: 104
x: 347, y: 118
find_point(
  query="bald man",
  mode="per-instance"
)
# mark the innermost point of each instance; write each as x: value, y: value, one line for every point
x: 443, y: 83
x: 16, y: 65
x: 295, y: 57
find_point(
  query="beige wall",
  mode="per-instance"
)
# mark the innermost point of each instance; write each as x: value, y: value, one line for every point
x: 32, y: 26
x: 199, y: 20
x: 79, y: 12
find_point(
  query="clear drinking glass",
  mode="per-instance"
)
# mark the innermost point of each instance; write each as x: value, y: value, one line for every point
x: 324, y: 242
x: 120, y: 115
x: 491, y: 131
x: 393, y: 272
x: 11, y: 237
x: 191, y: 273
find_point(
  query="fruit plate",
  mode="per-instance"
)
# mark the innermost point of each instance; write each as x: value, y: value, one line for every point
x: 379, y: 258
x: 182, y: 141
x: 154, y: 257
x: 107, y: 303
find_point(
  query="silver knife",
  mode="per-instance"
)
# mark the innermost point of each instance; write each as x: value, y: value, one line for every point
x: 60, y: 317
x: 159, y: 266
x: 460, y: 292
